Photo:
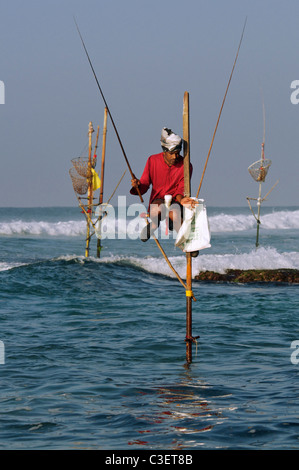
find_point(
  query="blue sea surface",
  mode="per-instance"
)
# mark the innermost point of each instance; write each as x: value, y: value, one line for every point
x: 94, y: 352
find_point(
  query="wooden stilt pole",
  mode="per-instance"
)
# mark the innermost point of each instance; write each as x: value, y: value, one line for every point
x: 99, y: 246
x: 103, y: 155
x: 259, y: 201
x: 187, y: 191
x: 90, y: 191
x: 95, y: 148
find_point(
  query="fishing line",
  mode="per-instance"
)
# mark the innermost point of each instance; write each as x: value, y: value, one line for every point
x: 114, y: 126
x: 204, y: 170
x: 122, y: 148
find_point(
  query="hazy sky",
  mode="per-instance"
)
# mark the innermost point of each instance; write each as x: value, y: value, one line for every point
x: 146, y: 54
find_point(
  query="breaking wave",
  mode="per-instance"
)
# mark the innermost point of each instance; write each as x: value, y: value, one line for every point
x: 223, y: 222
x: 263, y: 258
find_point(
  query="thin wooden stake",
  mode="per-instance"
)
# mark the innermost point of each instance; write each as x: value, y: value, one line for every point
x: 270, y: 191
x: 170, y: 265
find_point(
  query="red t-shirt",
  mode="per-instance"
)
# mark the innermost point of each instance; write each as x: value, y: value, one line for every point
x: 163, y: 178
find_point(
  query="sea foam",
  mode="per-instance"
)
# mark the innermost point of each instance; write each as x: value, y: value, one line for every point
x: 263, y: 258
x: 131, y: 227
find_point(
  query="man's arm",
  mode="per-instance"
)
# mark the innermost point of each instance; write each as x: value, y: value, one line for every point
x: 144, y: 183
x: 180, y: 188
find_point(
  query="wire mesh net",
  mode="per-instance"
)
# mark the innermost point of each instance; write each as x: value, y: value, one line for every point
x: 80, y: 184
x: 81, y: 165
x: 259, y: 169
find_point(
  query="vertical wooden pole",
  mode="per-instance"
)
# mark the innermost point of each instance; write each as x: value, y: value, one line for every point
x: 103, y: 155
x: 99, y: 247
x: 95, y: 148
x: 187, y: 193
x: 259, y: 201
x: 90, y: 191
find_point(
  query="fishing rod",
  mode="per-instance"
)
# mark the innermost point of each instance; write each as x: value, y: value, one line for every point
x: 204, y: 170
x: 121, y: 145
x: 114, y: 126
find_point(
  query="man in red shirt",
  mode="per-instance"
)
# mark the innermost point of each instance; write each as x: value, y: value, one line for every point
x: 165, y: 173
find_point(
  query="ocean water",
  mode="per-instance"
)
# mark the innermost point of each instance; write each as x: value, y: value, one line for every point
x: 92, y: 350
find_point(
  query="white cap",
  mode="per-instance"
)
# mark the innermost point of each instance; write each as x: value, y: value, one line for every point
x: 169, y: 140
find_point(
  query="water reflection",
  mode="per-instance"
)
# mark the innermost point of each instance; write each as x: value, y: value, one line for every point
x: 178, y: 415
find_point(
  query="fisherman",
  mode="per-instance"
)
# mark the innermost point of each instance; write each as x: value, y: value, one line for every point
x: 165, y: 172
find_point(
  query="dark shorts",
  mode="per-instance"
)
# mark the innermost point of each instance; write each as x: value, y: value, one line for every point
x: 162, y: 214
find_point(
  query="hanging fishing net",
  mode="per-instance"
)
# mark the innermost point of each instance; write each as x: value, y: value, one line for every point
x: 80, y: 184
x: 259, y: 169
x: 81, y: 165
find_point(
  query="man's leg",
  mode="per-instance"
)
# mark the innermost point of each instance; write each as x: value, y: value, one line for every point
x: 175, y: 216
x: 156, y: 213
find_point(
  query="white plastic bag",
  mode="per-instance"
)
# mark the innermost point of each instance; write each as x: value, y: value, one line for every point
x: 194, y: 233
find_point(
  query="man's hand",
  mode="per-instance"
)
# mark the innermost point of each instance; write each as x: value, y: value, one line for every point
x: 188, y: 202
x: 135, y: 182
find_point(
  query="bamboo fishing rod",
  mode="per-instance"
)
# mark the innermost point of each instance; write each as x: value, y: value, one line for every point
x: 213, y: 138
x: 114, y: 126
x: 120, y: 142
